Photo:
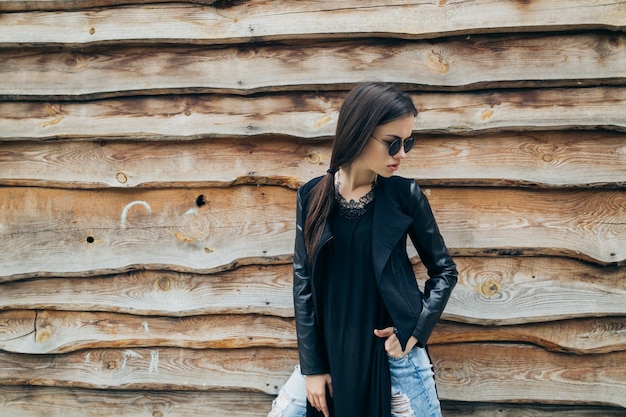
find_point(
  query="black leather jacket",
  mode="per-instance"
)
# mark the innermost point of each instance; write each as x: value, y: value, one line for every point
x: 400, y: 209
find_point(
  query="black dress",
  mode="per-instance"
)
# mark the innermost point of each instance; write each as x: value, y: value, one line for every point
x: 351, y: 309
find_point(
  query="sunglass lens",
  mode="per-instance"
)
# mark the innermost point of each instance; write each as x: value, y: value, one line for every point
x: 394, y: 147
x: 408, y: 144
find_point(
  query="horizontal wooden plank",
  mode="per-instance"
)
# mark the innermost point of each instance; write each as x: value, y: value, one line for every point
x: 200, y: 230
x: 256, y: 289
x: 515, y: 290
x: 491, y: 291
x: 51, y: 232
x: 25, y: 401
x: 33, y: 5
x: 518, y: 373
x: 467, y: 409
x: 260, y: 370
x: 579, y: 336
x: 306, y: 115
x: 459, y: 64
x: 59, y: 331
x: 585, y: 224
x: 28, y: 401
x: 253, y: 21
x: 464, y: 372
x: 49, y: 331
x: 539, y: 159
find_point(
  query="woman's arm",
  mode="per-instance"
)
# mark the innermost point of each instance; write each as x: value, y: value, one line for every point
x: 312, y: 357
x: 425, y: 235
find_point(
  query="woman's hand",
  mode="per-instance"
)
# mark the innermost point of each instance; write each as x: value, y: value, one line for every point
x: 392, y: 344
x: 316, y: 386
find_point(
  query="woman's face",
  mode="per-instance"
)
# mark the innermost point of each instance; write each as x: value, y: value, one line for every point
x: 375, y: 156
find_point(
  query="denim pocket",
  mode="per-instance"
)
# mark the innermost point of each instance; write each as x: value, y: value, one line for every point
x: 403, y: 357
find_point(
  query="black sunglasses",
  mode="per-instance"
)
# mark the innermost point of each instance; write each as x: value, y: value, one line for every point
x: 394, y: 146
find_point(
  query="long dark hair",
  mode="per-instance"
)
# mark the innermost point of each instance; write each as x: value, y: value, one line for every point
x: 366, y: 107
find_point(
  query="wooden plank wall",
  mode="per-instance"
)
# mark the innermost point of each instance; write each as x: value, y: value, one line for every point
x: 149, y: 156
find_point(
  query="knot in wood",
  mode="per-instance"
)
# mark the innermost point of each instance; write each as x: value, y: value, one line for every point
x: 313, y: 158
x: 43, y: 335
x: 164, y: 283
x: 157, y: 413
x: 490, y: 288
x: 121, y: 177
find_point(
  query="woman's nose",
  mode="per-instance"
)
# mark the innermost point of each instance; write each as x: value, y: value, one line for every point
x: 401, y: 154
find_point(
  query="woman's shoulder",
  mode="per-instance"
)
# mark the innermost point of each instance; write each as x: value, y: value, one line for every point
x: 398, y: 184
x: 403, y: 192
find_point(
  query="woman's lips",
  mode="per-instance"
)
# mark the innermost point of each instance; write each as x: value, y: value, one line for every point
x: 394, y: 167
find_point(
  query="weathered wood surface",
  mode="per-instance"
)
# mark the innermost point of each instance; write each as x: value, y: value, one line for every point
x: 578, y: 336
x: 29, y: 401
x: 465, y: 409
x: 460, y: 64
x: 544, y: 159
x: 491, y: 291
x: 465, y: 372
x: 587, y: 224
x: 45, y: 332
x: 517, y: 290
x: 47, y: 232
x: 257, y: 289
x: 518, y: 373
x: 76, y: 308
x: 261, y: 370
x: 306, y: 115
x: 251, y: 21
x: 58, y: 332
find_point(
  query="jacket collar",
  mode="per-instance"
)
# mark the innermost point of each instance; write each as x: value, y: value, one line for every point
x: 389, y: 226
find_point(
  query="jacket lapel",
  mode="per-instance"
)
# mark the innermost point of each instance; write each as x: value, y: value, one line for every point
x: 389, y: 226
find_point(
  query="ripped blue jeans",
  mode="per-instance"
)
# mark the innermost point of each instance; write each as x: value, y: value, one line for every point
x: 413, y: 390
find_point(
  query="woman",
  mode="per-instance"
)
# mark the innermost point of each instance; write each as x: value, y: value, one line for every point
x: 361, y: 320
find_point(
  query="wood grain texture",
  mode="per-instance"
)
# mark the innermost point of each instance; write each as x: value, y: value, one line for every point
x: 255, y: 289
x: 477, y: 409
x: 464, y: 372
x: 518, y: 373
x: 49, y: 331
x: 36, y: 5
x: 500, y: 290
x: 253, y: 21
x: 577, y: 336
x: 259, y: 370
x: 32, y: 401
x: 506, y: 290
x: 200, y: 230
x: 305, y: 115
x: 587, y: 224
x: 460, y: 64
x: 149, y: 156
x: 537, y: 159
x: 59, y: 332
x: 50, y: 232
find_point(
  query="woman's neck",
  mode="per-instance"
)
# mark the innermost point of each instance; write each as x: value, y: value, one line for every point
x: 354, y: 183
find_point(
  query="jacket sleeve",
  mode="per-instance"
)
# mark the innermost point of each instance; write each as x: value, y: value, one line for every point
x: 442, y: 272
x: 310, y: 346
